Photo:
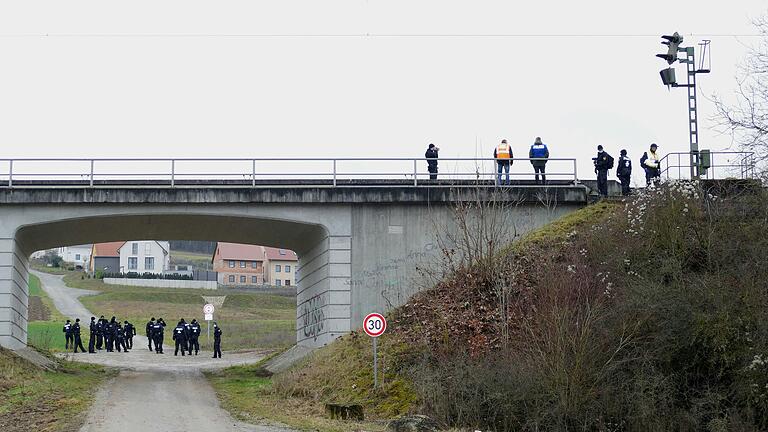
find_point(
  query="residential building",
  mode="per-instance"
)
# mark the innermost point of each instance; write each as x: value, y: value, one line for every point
x: 145, y: 256
x: 239, y: 264
x: 105, y: 257
x: 78, y: 256
x: 281, y: 265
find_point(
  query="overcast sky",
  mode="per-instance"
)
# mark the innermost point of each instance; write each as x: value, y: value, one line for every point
x: 201, y: 79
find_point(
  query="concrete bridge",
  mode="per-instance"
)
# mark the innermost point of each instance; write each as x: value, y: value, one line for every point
x: 360, y: 243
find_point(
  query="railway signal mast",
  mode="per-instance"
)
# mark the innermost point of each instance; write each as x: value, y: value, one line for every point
x: 699, y: 160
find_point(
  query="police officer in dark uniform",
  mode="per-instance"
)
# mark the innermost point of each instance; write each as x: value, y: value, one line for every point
x: 194, y: 334
x: 157, y: 335
x: 180, y: 337
x: 148, y: 330
x: 67, y: 334
x: 109, y: 334
x: 130, y: 332
x: 216, y: 340
x: 100, y: 332
x: 120, y: 338
x: 92, y: 336
x: 603, y: 162
x: 76, y: 335
x: 624, y: 172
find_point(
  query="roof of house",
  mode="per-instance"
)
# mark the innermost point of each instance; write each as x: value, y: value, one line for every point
x: 164, y: 245
x: 109, y: 249
x: 276, y: 254
x: 237, y: 251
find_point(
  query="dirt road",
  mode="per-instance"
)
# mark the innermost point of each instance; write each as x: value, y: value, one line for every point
x: 153, y: 391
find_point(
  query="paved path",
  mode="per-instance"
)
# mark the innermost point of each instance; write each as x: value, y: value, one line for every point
x: 152, y: 391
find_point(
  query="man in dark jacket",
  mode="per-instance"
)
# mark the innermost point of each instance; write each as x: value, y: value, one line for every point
x: 157, y: 335
x: 76, y: 335
x: 216, y: 340
x: 624, y: 172
x: 194, y: 334
x: 100, y: 332
x: 603, y: 162
x: 431, y: 156
x: 68, y: 340
x: 148, y: 331
x: 109, y: 334
x: 180, y: 337
x: 130, y: 332
x: 92, y: 336
x: 120, y: 337
x: 539, y: 154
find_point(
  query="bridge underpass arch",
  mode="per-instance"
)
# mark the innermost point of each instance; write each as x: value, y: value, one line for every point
x: 320, y: 239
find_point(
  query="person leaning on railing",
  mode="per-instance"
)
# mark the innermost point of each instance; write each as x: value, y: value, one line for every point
x: 650, y: 163
x: 539, y: 154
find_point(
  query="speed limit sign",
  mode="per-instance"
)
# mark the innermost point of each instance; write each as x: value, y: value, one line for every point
x: 374, y: 324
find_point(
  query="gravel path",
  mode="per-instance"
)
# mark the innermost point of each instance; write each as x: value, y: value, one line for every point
x: 152, y: 391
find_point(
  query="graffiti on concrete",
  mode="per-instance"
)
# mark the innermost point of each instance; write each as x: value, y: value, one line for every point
x: 314, y: 317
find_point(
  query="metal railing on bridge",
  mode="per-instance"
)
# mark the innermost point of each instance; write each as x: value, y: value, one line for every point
x: 273, y: 172
x: 712, y: 165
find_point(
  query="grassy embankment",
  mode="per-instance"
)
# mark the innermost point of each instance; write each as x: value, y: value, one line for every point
x: 342, y: 372
x: 39, y: 400
x: 249, y: 320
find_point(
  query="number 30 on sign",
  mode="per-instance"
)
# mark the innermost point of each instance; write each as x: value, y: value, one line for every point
x: 374, y: 324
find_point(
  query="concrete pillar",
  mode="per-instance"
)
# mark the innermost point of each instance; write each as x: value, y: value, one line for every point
x: 14, y: 293
x: 324, y: 300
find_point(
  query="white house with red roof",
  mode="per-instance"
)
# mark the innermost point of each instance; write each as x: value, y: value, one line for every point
x: 136, y: 256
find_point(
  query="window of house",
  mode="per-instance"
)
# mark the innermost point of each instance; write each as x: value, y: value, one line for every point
x: 231, y: 264
x: 134, y: 248
x: 287, y: 282
x: 242, y: 279
x: 254, y: 280
x: 277, y: 282
x: 149, y: 263
x: 287, y: 268
x: 147, y: 248
x: 242, y: 264
x: 277, y: 268
x: 254, y: 264
x: 231, y: 278
x: 133, y: 263
x: 77, y: 257
x: 282, y: 252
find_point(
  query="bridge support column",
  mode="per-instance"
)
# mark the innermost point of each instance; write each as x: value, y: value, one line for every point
x: 324, y: 296
x: 14, y: 293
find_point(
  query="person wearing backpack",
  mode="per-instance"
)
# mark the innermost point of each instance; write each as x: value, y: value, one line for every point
x: 603, y: 162
x: 624, y: 172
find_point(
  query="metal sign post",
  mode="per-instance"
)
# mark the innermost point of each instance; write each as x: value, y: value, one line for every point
x: 374, y: 325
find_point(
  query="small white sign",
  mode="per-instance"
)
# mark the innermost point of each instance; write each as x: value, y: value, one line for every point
x: 209, y: 317
x: 208, y: 309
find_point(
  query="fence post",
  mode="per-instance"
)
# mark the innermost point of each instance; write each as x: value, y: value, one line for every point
x: 253, y: 173
x: 334, y: 173
x: 173, y: 172
x: 415, y: 170
x: 10, y: 173
x: 91, y: 176
x: 575, y: 173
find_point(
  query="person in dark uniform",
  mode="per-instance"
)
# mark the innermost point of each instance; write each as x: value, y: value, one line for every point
x: 603, y: 162
x: 157, y: 335
x: 92, y: 336
x: 120, y: 338
x: 216, y: 340
x: 148, y: 330
x: 130, y: 332
x: 180, y: 337
x: 431, y: 156
x: 194, y: 334
x: 109, y: 335
x: 76, y: 335
x: 624, y: 172
x: 100, y: 332
x: 67, y: 334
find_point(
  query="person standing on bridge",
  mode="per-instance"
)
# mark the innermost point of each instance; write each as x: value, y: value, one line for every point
x: 130, y: 332
x: 216, y: 340
x: 76, y: 334
x: 148, y: 332
x: 603, y: 162
x: 68, y: 340
x: 431, y: 156
x: 92, y: 336
x: 624, y: 172
x: 503, y: 155
x: 538, y: 154
x: 650, y: 163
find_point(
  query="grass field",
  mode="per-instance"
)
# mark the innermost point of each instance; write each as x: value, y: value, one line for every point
x: 249, y: 320
x: 44, y: 334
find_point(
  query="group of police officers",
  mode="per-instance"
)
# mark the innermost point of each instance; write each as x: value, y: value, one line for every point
x: 113, y: 335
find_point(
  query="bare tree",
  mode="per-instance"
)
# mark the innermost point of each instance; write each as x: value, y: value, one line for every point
x: 746, y: 119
